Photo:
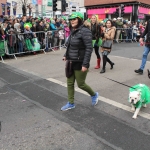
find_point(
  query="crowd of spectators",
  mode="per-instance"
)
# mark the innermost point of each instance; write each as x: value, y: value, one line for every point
x: 128, y: 31
x: 51, y: 33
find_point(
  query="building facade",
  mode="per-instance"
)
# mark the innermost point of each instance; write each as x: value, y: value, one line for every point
x: 134, y: 9
x: 2, y: 2
x: 45, y: 6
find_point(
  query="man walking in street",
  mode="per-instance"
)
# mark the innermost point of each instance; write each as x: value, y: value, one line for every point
x: 119, y: 24
x: 146, y: 48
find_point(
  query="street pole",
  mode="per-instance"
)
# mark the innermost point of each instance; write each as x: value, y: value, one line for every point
x: 42, y: 9
x: 119, y: 11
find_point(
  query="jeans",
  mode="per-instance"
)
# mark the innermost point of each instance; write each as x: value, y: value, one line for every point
x: 96, y: 48
x: 144, y: 58
x: 134, y: 36
x: 55, y: 42
x: 20, y: 48
x: 60, y: 42
x: 80, y: 77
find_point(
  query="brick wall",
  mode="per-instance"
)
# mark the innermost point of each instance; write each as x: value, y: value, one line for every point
x: 100, y: 2
x: 3, y: 2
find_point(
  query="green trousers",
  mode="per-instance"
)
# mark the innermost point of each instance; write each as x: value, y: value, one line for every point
x: 80, y: 77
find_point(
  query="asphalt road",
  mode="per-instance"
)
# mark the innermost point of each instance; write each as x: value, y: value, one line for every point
x: 30, y: 107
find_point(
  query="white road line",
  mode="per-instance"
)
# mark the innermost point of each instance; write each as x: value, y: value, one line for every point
x: 129, y: 58
x: 103, y: 99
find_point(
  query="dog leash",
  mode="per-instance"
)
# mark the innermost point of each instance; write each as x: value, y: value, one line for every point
x: 119, y: 82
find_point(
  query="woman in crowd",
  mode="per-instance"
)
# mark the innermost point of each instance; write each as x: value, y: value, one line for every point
x: 96, y: 31
x: 20, y: 37
x: 108, y: 34
x: 79, y: 50
x: 67, y: 32
x: 41, y: 34
x: 135, y: 32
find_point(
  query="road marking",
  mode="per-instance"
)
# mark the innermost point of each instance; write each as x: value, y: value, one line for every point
x: 103, y: 99
x: 129, y: 58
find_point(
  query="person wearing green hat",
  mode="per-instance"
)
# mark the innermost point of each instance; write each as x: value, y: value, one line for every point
x: 77, y: 57
x: 63, y: 17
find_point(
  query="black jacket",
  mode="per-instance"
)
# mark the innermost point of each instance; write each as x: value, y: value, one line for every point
x: 147, y: 32
x: 147, y: 29
x: 96, y: 31
x: 79, y: 46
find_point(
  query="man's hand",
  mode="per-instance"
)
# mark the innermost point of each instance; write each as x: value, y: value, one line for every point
x: 141, y: 41
x: 84, y: 69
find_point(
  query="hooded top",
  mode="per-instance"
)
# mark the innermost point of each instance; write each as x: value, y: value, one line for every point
x: 16, y: 26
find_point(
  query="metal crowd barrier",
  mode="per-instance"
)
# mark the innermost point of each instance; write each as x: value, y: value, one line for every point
x: 24, y: 43
x: 53, y: 41
x: 2, y: 49
x: 127, y: 34
x: 16, y: 44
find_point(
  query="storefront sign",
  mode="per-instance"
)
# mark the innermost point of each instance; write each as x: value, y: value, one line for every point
x: 143, y: 10
x: 128, y: 9
x: 99, y: 17
x: 39, y: 2
x: 141, y: 16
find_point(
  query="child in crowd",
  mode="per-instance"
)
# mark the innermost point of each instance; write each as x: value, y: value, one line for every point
x: 29, y: 35
x: 48, y: 40
x: 46, y: 28
x: 11, y: 41
x: 67, y: 32
x: 61, y: 36
x: 141, y: 28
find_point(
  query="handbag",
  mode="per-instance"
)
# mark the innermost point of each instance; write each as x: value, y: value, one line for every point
x: 107, y: 44
x: 69, y: 69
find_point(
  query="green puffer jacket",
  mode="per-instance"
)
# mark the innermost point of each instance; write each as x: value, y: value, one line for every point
x: 119, y: 24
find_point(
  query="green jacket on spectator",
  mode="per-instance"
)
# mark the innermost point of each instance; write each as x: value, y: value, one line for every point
x: 119, y: 24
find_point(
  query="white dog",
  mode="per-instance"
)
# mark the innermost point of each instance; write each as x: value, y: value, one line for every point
x: 139, y: 96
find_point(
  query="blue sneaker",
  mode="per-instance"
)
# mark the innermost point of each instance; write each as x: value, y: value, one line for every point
x: 95, y: 99
x: 67, y: 106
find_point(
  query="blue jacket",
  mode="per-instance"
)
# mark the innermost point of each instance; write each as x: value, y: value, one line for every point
x: 52, y: 27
